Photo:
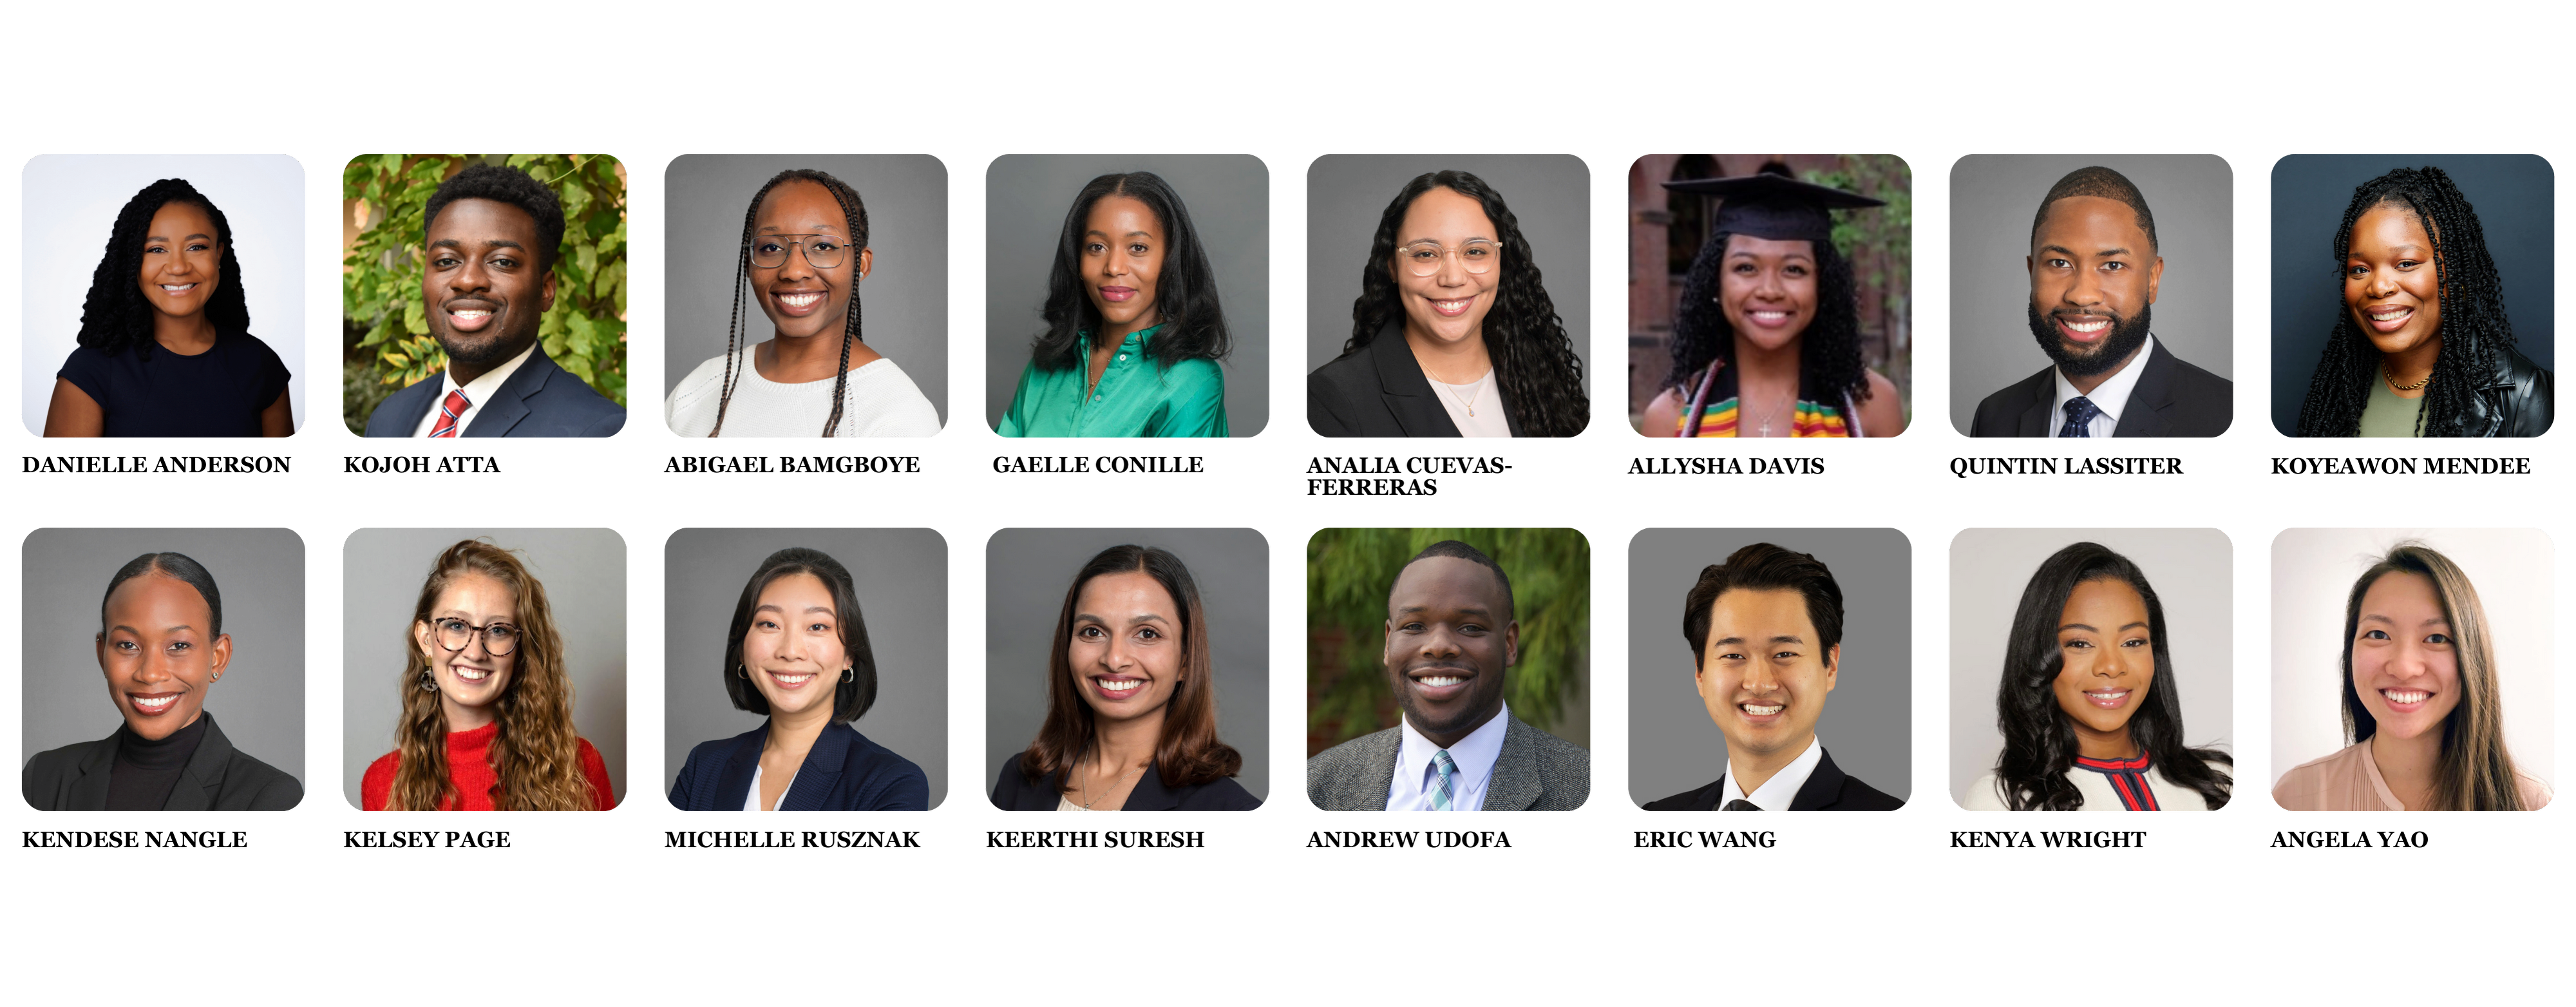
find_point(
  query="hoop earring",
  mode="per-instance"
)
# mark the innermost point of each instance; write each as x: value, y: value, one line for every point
x: 740, y: 673
x: 850, y: 675
x: 428, y: 683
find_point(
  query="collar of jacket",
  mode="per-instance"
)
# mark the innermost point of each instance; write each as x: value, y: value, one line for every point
x: 2512, y: 399
x: 198, y: 784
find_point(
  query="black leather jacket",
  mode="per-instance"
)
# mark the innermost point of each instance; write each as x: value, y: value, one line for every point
x: 2514, y: 401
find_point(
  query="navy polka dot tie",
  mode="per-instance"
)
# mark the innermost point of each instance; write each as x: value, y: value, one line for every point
x: 2079, y: 417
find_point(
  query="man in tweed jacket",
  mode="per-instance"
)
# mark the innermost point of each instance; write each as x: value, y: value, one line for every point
x: 1450, y: 636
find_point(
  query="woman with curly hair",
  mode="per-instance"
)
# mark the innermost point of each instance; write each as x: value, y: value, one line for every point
x: 1767, y: 339
x: 165, y: 345
x: 2423, y: 347
x: 486, y: 703
x: 1453, y: 334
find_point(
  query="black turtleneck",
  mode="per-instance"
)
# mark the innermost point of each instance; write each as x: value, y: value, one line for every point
x: 146, y: 771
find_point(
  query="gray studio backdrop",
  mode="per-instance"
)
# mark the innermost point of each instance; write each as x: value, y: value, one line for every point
x: 902, y: 579
x: 584, y: 573
x: 904, y: 301
x: 1346, y: 193
x: 258, y: 571
x: 2193, y: 574
x: 1026, y: 197
x: 1868, y: 720
x: 1026, y: 573
x: 2513, y: 196
x: 1994, y: 198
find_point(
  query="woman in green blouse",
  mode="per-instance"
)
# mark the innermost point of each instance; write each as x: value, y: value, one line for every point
x: 1134, y: 331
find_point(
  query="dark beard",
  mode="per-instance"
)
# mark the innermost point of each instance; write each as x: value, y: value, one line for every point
x: 2127, y: 334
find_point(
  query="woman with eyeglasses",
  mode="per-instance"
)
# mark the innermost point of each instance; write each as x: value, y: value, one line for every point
x: 804, y: 253
x: 486, y: 704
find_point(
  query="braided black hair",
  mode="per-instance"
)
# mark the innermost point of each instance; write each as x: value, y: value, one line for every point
x: 1185, y: 300
x: 1540, y: 375
x: 115, y: 316
x: 1829, y: 360
x: 2474, y: 330
x: 855, y: 213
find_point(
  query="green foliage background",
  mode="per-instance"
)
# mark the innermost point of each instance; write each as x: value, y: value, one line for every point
x: 384, y: 327
x: 1348, y: 573
x: 1879, y: 243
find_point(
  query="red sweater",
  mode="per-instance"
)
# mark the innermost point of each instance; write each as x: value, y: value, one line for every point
x: 469, y: 767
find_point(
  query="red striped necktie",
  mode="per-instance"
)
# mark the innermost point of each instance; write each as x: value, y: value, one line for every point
x: 448, y: 411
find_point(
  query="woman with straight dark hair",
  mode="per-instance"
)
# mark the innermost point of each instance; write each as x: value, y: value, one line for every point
x: 1134, y: 329
x: 798, y: 654
x: 2088, y: 704
x: 2420, y: 700
x: 1131, y: 699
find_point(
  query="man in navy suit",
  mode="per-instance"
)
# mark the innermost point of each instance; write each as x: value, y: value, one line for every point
x: 489, y: 279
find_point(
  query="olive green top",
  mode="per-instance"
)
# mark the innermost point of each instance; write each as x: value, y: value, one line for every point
x: 2388, y: 415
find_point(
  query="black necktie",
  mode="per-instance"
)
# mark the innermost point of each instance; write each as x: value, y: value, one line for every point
x: 1740, y: 804
x: 2079, y: 417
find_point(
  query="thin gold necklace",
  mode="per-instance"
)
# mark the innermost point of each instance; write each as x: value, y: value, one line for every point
x: 1475, y: 391
x: 1085, y: 787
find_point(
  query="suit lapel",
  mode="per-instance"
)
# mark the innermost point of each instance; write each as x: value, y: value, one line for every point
x: 2037, y: 416
x: 509, y: 402
x: 1405, y: 391
x: 408, y: 406
x: 89, y: 789
x: 1516, y: 785
x: 202, y: 780
x: 821, y: 771
x: 1823, y: 788
x: 1150, y: 794
x: 2149, y: 398
x: 733, y: 784
x: 1379, y: 754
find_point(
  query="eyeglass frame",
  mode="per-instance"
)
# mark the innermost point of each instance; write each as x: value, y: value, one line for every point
x: 438, y: 632
x: 752, y: 256
x: 1447, y: 253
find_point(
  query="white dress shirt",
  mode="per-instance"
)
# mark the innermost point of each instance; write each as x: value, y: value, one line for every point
x: 751, y: 801
x: 1775, y: 793
x: 1416, y: 778
x: 476, y: 391
x: 2111, y: 396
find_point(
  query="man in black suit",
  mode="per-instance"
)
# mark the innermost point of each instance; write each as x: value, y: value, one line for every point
x: 1766, y: 631
x: 488, y: 279
x: 2093, y: 274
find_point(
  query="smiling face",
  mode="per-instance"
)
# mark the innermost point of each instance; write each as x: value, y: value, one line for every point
x: 159, y: 653
x: 1448, y: 306
x: 1767, y: 289
x: 470, y: 680
x: 1764, y: 677
x: 1122, y: 261
x: 2390, y: 285
x: 2405, y: 665
x: 802, y: 220
x: 2093, y: 272
x: 793, y: 651
x: 1126, y: 650
x: 182, y: 262
x: 480, y: 281
x: 1449, y: 635
x: 2110, y: 662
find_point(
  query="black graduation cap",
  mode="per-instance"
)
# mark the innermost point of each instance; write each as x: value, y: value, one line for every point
x: 1771, y: 204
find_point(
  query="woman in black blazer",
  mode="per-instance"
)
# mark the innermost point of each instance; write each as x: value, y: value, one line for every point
x: 1131, y: 699
x: 162, y: 645
x: 798, y: 653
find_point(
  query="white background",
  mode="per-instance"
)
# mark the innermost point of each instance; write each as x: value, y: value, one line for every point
x: 70, y: 201
x: 2312, y: 574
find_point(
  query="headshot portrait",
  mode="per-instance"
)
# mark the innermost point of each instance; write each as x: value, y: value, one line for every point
x: 486, y: 295
x: 782, y: 347
x: 2075, y: 685
x: 1448, y: 669
x: 1127, y: 295
x: 805, y: 669
x: 1770, y: 295
x: 2438, y: 321
x: 1770, y: 669
x: 1127, y: 669
x: 2125, y: 277
x: 164, y: 296
x: 2411, y: 669
x: 485, y: 669
x: 180, y: 624
x: 1447, y: 295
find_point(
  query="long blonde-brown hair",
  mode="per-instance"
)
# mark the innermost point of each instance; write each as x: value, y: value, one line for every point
x: 537, y: 755
x: 2475, y: 772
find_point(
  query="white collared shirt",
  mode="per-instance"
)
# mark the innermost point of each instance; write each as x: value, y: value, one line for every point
x: 2111, y: 396
x: 476, y: 391
x: 1775, y: 793
x: 751, y: 801
x: 1475, y: 755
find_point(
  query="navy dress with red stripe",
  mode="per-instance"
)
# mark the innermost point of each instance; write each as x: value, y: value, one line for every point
x: 2128, y: 778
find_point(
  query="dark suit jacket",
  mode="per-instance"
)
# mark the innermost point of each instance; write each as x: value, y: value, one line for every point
x: 1536, y: 771
x: 1014, y: 791
x: 2172, y: 399
x: 1826, y: 789
x: 539, y: 400
x: 1378, y: 391
x: 218, y: 778
x: 844, y: 771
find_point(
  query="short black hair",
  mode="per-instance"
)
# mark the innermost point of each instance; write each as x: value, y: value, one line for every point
x: 1454, y: 549
x: 178, y: 567
x: 504, y: 185
x: 854, y: 694
x: 1765, y: 567
x: 2097, y: 181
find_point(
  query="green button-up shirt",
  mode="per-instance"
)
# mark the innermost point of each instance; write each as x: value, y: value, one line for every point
x: 1136, y: 397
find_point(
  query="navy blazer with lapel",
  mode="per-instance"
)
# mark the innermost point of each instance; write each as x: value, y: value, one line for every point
x: 540, y: 400
x: 1014, y: 791
x: 844, y: 771
x: 1379, y: 391
x: 1826, y: 789
x: 218, y: 777
x: 2171, y: 399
